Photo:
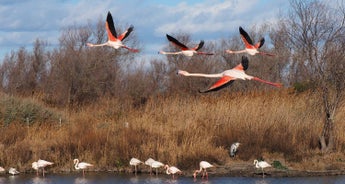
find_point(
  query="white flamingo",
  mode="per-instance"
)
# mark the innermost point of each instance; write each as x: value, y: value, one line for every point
x: 13, y: 171
x: 134, y: 162
x: 228, y: 76
x: 156, y: 165
x: 41, y: 164
x: 184, y: 49
x: 149, y: 163
x: 2, y: 169
x: 81, y: 165
x: 262, y: 165
x: 114, y: 40
x: 203, y: 168
x: 172, y: 170
x: 250, y: 48
x: 233, y: 149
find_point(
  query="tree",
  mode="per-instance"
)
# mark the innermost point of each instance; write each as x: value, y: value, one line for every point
x: 315, y: 33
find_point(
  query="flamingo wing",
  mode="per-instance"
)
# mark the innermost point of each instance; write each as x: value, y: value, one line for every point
x: 260, y: 43
x: 199, y: 46
x: 220, y: 84
x: 126, y: 33
x: 177, y: 43
x: 246, y: 38
x: 244, y: 63
x: 110, y: 28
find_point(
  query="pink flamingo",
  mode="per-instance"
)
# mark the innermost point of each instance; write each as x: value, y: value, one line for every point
x: 203, y: 166
x: 172, y: 170
x: 114, y: 40
x: 228, y: 76
x: 250, y: 48
x: 184, y: 49
x: 41, y: 164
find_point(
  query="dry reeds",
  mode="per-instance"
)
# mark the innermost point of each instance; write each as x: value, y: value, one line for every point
x: 175, y: 130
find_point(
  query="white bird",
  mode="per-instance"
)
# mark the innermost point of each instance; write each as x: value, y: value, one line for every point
x: 81, y: 165
x: 233, y: 149
x: 172, y: 170
x: 134, y: 162
x: 156, y: 165
x: 203, y: 168
x: 2, y: 169
x: 184, y: 49
x: 228, y: 76
x: 13, y: 171
x: 114, y: 40
x: 251, y: 49
x: 149, y: 163
x: 40, y: 164
x: 262, y: 165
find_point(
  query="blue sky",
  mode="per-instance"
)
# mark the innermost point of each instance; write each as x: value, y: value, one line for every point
x: 24, y: 21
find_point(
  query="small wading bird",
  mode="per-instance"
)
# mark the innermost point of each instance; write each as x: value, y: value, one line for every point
x: 250, y: 48
x: 114, y: 40
x: 172, y: 170
x: 203, y: 168
x: 262, y: 165
x: 134, y: 162
x: 81, y: 165
x: 184, y: 49
x: 13, y: 171
x: 233, y: 149
x: 228, y: 76
x: 40, y: 164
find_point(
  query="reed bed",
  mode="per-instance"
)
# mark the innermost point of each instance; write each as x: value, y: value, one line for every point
x: 176, y: 130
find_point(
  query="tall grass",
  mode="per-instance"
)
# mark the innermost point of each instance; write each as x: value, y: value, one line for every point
x: 176, y: 130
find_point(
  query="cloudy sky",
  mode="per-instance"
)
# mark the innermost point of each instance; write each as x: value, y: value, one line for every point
x: 24, y: 21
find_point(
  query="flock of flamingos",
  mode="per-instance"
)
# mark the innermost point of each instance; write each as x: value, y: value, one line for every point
x: 153, y: 164
x: 226, y: 78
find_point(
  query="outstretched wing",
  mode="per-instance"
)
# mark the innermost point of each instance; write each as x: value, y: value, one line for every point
x: 126, y: 33
x: 246, y: 38
x: 201, y: 44
x: 245, y: 63
x: 260, y: 43
x: 220, y: 84
x: 109, y: 25
x: 177, y: 43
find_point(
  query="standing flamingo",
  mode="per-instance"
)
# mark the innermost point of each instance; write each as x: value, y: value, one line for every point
x: 228, y: 76
x: 262, y: 165
x: 114, y: 40
x: 40, y: 164
x: 172, y: 170
x: 184, y: 49
x: 250, y: 48
x: 13, y: 171
x: 134, y: 162
x: 2, y: 169
x: 156, y: 165
x: 203, y: 166
x: 149, y: 163
x: 81, y: 165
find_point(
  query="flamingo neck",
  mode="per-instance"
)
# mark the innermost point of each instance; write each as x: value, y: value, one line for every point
x: 76, y: 166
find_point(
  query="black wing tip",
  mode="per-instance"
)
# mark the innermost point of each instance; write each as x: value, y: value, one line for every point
x: 245, y: 62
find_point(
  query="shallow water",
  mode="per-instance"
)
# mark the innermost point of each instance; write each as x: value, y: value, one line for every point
x: 91, y: 178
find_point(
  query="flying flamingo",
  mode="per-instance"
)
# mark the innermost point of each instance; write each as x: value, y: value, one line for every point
x: 228, y: 76
x: 81, y: 165
x: 262, y: 165
x: 13, y: 171
x: 184, y: 49
x: 156, y: 165
x: 40, y: 164
x: 134, y: 162
x: 114, y: 40
x: 172, y: 170
x: 203, y: 166
x: 251, y: 49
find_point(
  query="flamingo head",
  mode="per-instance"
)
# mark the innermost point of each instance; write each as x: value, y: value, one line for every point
x: 75, y: 161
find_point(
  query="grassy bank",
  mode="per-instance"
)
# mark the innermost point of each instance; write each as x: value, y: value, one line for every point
x: 176, y: 130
